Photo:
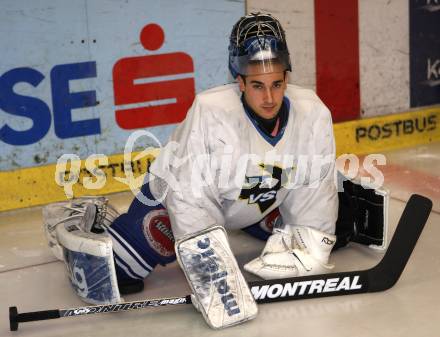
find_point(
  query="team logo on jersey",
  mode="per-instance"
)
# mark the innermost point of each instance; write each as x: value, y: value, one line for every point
x: 157, y: 230
x: 262, y: 190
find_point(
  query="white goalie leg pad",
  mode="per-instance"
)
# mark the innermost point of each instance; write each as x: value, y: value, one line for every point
x: 308, y: 255
x: 220, y: 291
x: 61, y: 212
x: 53, y: 215
x: 89, y: 261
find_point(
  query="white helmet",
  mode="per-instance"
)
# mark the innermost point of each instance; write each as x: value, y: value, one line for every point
x: 257, y: 39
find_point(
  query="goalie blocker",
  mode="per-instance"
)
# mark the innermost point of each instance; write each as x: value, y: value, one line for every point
x: 362, y: 215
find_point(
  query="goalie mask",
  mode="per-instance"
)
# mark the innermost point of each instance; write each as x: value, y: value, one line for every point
x: 258, y: 39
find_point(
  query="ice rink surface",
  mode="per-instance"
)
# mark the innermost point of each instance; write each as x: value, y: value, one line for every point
x: 32, y: 279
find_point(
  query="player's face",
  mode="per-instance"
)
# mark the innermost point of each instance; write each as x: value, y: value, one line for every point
x: 264, y: 92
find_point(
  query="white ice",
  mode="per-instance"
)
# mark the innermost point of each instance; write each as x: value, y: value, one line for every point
x: 32, y: 279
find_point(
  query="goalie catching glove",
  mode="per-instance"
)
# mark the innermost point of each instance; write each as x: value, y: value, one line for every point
x: 220, y: 291
x: 293, y: 251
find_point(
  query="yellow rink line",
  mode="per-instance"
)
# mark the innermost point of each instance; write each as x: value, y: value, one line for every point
x: 36, y: 185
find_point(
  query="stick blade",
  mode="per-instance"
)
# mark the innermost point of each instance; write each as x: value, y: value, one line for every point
x: 408, y: 230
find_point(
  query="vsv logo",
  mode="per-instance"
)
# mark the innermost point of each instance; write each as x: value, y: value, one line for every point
x: 262, y: 190
x: 148, y: 91
x: 262, y: 197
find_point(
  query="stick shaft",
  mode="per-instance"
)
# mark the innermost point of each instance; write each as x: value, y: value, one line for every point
x: 15, y: 318
x: 126, y: 306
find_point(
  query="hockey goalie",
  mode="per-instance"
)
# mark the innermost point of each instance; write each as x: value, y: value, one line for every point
x: 256, y: 155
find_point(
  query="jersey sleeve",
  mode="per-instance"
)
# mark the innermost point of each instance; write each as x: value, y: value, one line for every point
x: 314, y: 203
x: 192, y: 199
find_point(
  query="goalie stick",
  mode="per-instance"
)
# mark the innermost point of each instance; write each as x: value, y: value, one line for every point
x: 381, y: 277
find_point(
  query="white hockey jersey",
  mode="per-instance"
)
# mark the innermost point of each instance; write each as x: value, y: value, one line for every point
x: 219, y: 168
